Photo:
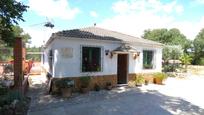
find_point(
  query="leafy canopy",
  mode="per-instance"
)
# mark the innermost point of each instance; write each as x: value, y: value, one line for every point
x: 168, y: 37
x: 198, y: 44
x: 11, y: 12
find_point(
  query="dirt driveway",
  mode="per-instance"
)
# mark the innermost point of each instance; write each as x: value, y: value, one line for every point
x: 177, y: 97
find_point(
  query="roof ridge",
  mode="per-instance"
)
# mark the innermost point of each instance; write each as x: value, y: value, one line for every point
x: 122, y: 33
x: 111, y: 31
x: 102, y: 33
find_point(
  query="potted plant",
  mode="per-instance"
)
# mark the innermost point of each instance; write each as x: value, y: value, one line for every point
x: 146, y: 82
x: 148, y: 66
x: 97, y: 87
x: 139, y: 80
x: 159, y: 78
x: 108, y: 85
x: 85, y: 81
x: 65, y: 86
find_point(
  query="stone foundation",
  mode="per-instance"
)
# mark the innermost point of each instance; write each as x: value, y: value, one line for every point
x: 147, y: 76
x: 99, y: 80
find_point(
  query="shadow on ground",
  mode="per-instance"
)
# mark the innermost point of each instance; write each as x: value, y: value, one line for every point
x: 119, y: 101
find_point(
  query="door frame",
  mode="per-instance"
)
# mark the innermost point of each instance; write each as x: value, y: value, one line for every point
x: 127, y: 61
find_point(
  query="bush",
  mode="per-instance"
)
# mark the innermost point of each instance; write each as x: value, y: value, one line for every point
x: 201, y: 61
x: 8, y: 98
x: 139, y: 79
x: 97, y: 87
x: 3, y: 90
x: 14, y: 103
x: 64, y: 83
x: 170, y: 67
x: 161, y: 76
x: 85, y: 81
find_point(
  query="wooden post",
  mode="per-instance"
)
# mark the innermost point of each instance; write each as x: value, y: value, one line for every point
x: 18, y: 52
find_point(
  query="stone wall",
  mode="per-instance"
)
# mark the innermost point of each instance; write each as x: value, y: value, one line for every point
x: 99, y: 80
x: 147, y: 76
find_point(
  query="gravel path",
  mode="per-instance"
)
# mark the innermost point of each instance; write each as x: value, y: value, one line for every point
x: 172, y: 98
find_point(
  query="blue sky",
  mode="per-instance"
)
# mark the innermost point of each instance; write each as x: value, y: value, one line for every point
x: 126, y: 16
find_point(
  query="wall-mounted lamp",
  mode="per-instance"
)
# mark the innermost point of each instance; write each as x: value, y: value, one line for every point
x: 107, y: 52
x: 135, y: 55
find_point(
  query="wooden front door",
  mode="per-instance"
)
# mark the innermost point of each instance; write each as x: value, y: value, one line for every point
x: 122, y: 68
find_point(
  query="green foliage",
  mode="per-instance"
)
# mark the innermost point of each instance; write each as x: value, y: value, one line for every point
x: 168, y: 37
x: 64, y: 83
x: 85, y: 81
x: 172, y: 37
x: 171, y: 52
x: 186, y: 59
x: 11, y: 12
x: 201, y: 61
x: 170, y: 75
x: 9, y: 97
x: 198, y: 47
x: 147, y: 66
x: 139, y: 79
x: 19, y: 32
x: 6, y: 53
x: 97, y: 87
x: 161, y: 76
x: 35, y: 57
x: 3, y: 90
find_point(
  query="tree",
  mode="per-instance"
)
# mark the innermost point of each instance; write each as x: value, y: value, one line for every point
x: 199, y: 47
x: 6, y: 52
x: 19, y: 32
x: 35, y: 57
x: 11, y: 12
x: 168, y: 37
x: 186, y: 60
x: 170, y: 53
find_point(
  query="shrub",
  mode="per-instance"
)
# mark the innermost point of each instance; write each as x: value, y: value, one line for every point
x: 97, y: 87
x: 201, y: 61
x: 64, y: 83
x: 161, y: 76
x: 139, y: 79
x: 85, y: 81
x: 3, y: 90
x: 9, y: 97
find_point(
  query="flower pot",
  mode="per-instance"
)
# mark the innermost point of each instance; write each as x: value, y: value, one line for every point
x: 157, y: 81
x: 97, y: 88
x: 109, y: 87
x: 138, y: 84
x: 66, y: 92
x: 84, y: 89
x: 146, y: 82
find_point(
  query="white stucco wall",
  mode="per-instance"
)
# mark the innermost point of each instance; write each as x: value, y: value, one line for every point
x: 65, y: 67
x: 71, y: 67
x: 136, y: 65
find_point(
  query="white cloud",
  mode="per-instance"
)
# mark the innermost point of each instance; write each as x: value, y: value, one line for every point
x: 136, y: 16
x: 39, y: 34
x: 53, y: 8
x: 93, y: 14
x: 121, y: 7
x: 179, y: 9
x: 153, y: 6
x: 199, y: 1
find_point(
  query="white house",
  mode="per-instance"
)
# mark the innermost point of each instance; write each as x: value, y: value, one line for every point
x: 104, y: 54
